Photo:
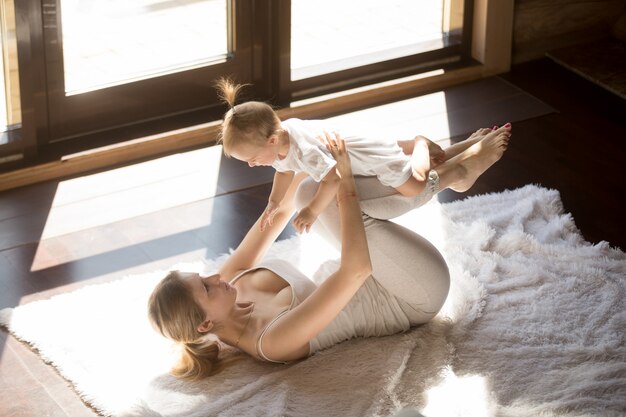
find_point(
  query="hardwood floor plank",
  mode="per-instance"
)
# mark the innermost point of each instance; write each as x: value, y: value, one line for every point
x: 185, y: 246
x: 16, y: 279
x: 31, y: 388
x: 35, y: 200
x: 21, y: 230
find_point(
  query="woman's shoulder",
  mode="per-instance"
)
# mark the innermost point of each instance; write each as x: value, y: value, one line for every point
x: 275, y: 274
x: 260, y: 279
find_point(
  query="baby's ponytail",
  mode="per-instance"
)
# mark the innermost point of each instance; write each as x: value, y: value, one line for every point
x: 228, y: 91
x: 251, y: 122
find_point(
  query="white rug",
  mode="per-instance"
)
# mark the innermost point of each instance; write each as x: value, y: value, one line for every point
x: 534, y: 326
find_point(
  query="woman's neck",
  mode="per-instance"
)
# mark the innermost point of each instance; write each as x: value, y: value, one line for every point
x: 234, y: 328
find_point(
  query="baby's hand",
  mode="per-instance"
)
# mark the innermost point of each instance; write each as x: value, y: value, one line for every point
x: 437, y: 154
x: 268, y: 215
x: 304, y: 220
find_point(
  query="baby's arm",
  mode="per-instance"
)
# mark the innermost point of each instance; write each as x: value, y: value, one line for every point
x: 282, y: 181
x: 420, y: 159
x: 325, y: 193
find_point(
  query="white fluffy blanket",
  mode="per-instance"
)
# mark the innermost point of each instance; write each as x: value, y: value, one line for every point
x: 534, y: 326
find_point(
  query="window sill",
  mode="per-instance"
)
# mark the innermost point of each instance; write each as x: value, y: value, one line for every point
x: 206, y: 134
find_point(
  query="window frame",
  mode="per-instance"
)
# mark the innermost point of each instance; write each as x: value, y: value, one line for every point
x: 268, y: 35
x: 450, y: 56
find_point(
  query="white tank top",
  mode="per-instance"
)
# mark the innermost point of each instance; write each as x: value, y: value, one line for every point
x: 372, y: 311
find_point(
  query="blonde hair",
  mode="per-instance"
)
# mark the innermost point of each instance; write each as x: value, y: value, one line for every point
x: 250, y: 122
x: 175, y: 314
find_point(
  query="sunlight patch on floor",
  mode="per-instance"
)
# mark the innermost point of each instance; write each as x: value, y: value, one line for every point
x: 118, y: 195
x: 123, y: 193
x: 369, y: 87
x: 466, y: 396
x: 429, y: 117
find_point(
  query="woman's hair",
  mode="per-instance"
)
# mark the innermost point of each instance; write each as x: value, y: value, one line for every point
x: 175, y: 314
x: 250, y: 122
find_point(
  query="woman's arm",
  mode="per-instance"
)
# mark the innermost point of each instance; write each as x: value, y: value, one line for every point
x: 325, y: 192
x: 256, y: 242
x: 296, y: 328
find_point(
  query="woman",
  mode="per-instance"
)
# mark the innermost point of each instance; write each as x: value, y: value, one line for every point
x: 272, y: 312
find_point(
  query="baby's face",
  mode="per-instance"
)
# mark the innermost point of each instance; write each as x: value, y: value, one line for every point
x: 255, y: 155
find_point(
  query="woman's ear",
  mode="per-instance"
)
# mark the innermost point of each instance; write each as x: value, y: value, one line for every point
x: 205, y: 326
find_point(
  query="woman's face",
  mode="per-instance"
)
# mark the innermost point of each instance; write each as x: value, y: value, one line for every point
x: 216, y: 297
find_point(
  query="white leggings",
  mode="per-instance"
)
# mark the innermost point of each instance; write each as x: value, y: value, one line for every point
x: 404, y: 263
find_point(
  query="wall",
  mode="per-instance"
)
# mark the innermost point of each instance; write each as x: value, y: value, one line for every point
x: 542, y: 25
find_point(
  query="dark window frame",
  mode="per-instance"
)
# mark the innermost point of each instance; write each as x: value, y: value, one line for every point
x: 267, y: 35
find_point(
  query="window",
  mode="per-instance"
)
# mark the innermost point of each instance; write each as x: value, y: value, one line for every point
x: 95, y: 73
x: 10, y: 114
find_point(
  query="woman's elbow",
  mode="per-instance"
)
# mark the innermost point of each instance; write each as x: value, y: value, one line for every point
x: 360, y: 271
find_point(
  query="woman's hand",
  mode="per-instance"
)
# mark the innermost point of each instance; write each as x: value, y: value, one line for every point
x: 337, y: 148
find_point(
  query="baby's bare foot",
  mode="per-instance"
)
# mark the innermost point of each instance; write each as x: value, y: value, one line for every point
x: 480, y: 156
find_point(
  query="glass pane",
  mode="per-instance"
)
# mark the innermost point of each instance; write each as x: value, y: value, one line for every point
x: 108, y: 42
x: 4, y: 122
x: 10, y: 112
x: 331, y: 35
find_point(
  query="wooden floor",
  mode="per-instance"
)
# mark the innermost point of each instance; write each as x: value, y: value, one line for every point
x: 58, y: 236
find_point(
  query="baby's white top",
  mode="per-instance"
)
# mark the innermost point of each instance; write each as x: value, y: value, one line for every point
x: 370, y: 157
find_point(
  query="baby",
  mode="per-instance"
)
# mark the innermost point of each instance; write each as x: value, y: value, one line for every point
x: 253, y: 133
